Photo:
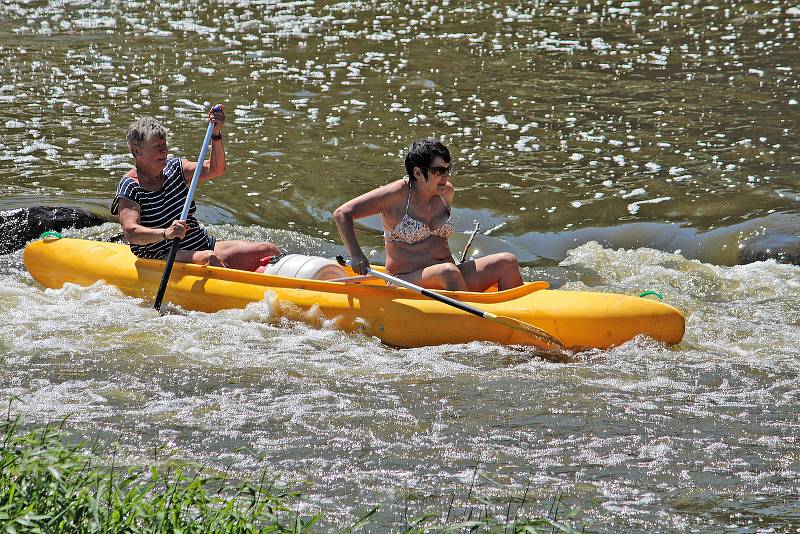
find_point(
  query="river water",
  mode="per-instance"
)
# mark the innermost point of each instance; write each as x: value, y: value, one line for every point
x: 613, y: 146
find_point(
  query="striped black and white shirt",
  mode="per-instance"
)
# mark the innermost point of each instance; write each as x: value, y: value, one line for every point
x: 160, y: 208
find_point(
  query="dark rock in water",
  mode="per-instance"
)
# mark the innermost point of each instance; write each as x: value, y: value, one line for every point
x: 783, y: 248
x: 18, y: 226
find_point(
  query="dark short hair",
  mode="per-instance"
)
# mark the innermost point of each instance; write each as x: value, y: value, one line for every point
x: 422, y: 153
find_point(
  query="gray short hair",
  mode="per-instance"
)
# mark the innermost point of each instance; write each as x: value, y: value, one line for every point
x: 143, y: 130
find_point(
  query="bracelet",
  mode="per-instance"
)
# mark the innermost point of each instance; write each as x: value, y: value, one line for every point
x: 216, y: 137
x: 165, y: 234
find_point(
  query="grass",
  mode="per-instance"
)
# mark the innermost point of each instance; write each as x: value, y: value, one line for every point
x: 50, y: 484
x: 479, y: 513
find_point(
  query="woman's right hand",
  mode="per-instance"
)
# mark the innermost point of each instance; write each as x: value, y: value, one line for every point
x: 359, y: 263
x: 177, y: 229
x: 217, y: 115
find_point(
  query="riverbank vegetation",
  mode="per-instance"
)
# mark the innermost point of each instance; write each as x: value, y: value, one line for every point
x: 51, y: 483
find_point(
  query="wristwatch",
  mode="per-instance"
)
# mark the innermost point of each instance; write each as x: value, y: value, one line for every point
x: 216, y: 137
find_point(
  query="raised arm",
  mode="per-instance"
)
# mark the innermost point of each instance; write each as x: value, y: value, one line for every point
x: 376, y: 201
x: 215, y: 165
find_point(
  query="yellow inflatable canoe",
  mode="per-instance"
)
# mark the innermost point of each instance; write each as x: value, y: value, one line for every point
x: 399, y: 317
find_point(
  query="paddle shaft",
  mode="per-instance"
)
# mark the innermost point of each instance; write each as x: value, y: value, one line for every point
x: 431, y: 294
x: 173, y: 251
x: 508, y: 322
x: 417, y: 289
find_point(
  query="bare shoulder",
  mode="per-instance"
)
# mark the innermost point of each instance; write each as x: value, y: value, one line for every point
x: 394, y: 199
x: 388, y: 193
x: 397, y: 188
x: 382, y: 199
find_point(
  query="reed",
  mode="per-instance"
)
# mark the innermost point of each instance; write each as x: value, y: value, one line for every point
x: 48, y: 484
x: 481, y: 513
x: 51, y: 483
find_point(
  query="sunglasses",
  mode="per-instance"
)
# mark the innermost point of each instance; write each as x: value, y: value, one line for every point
x: 441, y: 171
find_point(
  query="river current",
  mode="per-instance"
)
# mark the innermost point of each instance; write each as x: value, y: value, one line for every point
x: 613, y: 146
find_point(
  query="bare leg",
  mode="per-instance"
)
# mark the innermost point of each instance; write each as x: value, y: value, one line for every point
x: 200, y: 257
x: 501, y: 269
x: 440, y: 276
x: 244, y: 255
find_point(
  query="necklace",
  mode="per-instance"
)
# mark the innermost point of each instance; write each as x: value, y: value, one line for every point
x: 428, y: 204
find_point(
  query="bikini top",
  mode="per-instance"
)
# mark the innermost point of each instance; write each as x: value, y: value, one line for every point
x: 410, y: 230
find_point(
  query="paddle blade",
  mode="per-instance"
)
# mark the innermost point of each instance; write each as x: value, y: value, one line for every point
x: 549, y: 342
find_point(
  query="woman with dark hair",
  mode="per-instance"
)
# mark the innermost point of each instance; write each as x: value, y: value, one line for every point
x: 415, y: 212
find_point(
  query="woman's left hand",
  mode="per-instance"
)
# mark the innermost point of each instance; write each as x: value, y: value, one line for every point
x: 217, y: 117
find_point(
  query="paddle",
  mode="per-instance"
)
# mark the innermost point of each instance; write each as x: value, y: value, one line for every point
x: 508, y: 322
x: 173, y: 251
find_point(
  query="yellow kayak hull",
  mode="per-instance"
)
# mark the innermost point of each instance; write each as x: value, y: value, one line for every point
x: 399, y: 317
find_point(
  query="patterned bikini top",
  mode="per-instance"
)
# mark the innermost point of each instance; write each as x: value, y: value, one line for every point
x: 410, y: 230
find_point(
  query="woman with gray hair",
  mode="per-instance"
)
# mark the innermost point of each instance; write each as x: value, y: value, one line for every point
x: 150, y: 198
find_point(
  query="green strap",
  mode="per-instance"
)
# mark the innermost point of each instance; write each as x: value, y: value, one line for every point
x: 646, y: 293
x: 50, y: 234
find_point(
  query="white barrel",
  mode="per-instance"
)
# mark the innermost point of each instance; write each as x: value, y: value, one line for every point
x: 302, y: 266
